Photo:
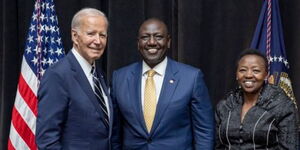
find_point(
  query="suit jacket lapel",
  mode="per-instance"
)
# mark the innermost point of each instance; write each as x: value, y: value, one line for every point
x: 134, y: 86
x: 169, y: 85
x: 83, y: 81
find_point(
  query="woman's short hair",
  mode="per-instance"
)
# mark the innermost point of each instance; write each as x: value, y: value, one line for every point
x: 250, y: 51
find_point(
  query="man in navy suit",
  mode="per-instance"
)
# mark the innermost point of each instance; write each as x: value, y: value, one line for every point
x: 74, y: 108
x: 182, y: 115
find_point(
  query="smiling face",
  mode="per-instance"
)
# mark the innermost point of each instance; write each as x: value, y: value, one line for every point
x: 90, y: 37
x: 251, y: 73
x: 153, y: 41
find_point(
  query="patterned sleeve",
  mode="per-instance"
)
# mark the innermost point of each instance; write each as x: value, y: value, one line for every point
x: 218, y: 143
x: 288, y: 125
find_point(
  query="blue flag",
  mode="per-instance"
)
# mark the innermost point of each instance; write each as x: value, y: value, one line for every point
x: 268, y: 38
x: 43, y: 48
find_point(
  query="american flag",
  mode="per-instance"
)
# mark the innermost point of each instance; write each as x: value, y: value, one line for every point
x: 268, y: 38
x: 43, y: 48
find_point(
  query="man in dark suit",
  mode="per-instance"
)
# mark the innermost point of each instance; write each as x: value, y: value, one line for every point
x: 162, y: 104
x: 74, y: 108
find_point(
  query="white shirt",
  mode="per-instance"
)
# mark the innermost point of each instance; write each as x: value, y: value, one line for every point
x: 87, y: 69
x: 158, y: 78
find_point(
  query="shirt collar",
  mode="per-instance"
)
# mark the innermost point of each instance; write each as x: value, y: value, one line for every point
x: 160, y: 68
x: 85, y: 65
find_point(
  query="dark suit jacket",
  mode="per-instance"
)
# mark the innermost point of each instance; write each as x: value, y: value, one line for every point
x: 184, y: 116
x: 69, y: 115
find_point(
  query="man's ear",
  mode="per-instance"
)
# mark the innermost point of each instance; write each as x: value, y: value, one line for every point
x: 74, y: 35
x: 138, y: 43
x: 169, y: 41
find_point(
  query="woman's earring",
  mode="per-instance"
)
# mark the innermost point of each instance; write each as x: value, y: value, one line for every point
x: 266, y: 80
x: 239, y: 86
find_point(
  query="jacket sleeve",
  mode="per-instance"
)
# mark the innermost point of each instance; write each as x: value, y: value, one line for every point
x: 218, y: 143
x: 52, y: 104
x: 288, y: 126
x: 116, y: 132
x: 202, y: 116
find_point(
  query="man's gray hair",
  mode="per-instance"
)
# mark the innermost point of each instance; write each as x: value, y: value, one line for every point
x: 86, y: 12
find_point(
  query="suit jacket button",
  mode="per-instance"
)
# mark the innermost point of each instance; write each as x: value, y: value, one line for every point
x: 149, y: 140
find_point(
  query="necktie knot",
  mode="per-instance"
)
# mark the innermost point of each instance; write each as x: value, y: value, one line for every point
x: 151, y: 73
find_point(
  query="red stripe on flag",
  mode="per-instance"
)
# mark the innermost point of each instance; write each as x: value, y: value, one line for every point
x: 27, y: 94
x: 23, y: 130
x: 10, y: 146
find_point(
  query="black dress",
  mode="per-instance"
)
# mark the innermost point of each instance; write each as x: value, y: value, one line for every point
x: 271, y: 124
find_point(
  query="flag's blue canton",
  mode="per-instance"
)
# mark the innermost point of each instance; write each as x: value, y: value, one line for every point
x: 278, y: 62
x: 43, y: 48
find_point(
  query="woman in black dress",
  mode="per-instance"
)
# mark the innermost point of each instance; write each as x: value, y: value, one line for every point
x: 256, y: 115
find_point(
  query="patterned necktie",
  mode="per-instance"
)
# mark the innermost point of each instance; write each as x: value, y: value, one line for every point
x: 149, y: 100
x: 98, y: 93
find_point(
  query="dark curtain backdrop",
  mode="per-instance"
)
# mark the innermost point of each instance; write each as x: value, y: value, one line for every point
x: 208, y: 34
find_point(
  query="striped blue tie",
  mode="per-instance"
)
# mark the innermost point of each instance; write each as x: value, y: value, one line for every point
x: 98, y: 93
